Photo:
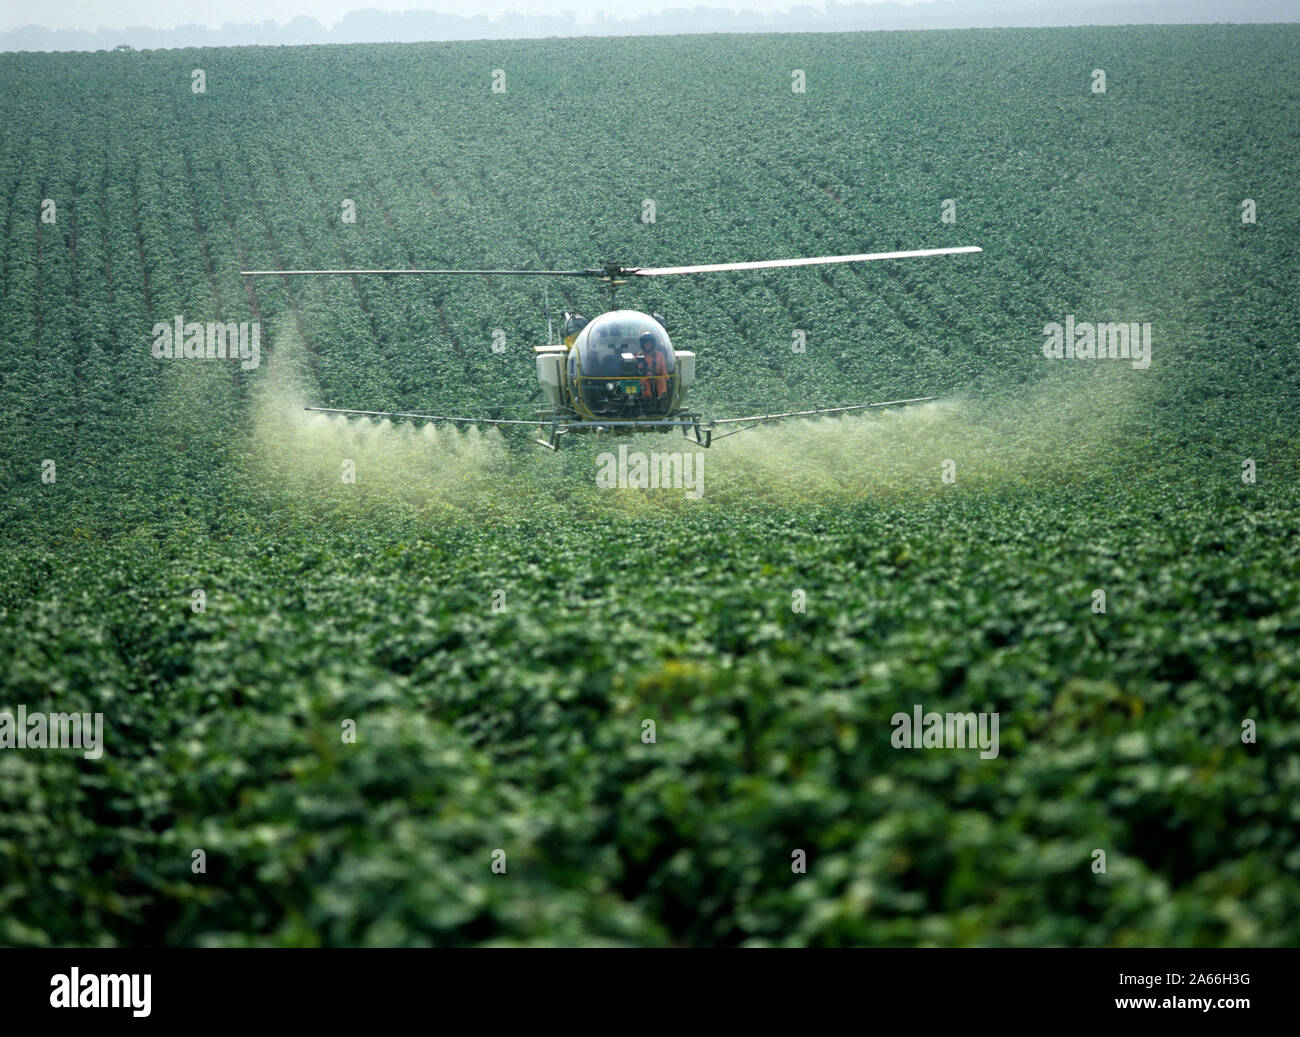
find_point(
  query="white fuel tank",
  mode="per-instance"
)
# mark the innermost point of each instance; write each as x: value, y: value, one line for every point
x: 685, y: 372
x: 550, y: 375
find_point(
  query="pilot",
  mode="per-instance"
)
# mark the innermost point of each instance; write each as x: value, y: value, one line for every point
x: 656, y: 364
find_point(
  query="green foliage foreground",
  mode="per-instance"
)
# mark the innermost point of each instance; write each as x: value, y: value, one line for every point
x: 522, y: 729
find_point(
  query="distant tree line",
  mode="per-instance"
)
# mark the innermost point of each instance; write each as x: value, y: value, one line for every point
x: 372, y: 26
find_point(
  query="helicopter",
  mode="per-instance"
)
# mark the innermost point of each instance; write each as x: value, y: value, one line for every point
x: 618, y: 374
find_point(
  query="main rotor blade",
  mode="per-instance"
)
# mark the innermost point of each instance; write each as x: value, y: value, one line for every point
x: 763, y: 264
x: 495, y: 273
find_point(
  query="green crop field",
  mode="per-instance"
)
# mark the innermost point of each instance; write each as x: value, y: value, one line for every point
x: 412, y: 708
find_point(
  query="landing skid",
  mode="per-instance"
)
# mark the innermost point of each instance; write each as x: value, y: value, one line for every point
x: 703, y: 434
x: 552, y: 440
x: 691, y: 425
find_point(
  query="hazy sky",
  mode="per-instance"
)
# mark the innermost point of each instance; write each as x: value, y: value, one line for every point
x: 167, y: 14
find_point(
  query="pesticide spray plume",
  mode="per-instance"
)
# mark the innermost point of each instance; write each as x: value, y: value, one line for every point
x: 350, y: 465
x: 1060, y: 429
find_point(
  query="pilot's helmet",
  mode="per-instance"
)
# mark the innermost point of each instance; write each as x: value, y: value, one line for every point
x: 648, y: 340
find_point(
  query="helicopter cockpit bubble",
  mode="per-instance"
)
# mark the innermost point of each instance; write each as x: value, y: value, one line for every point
x: 609, y: 357
x: 619, y: 333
